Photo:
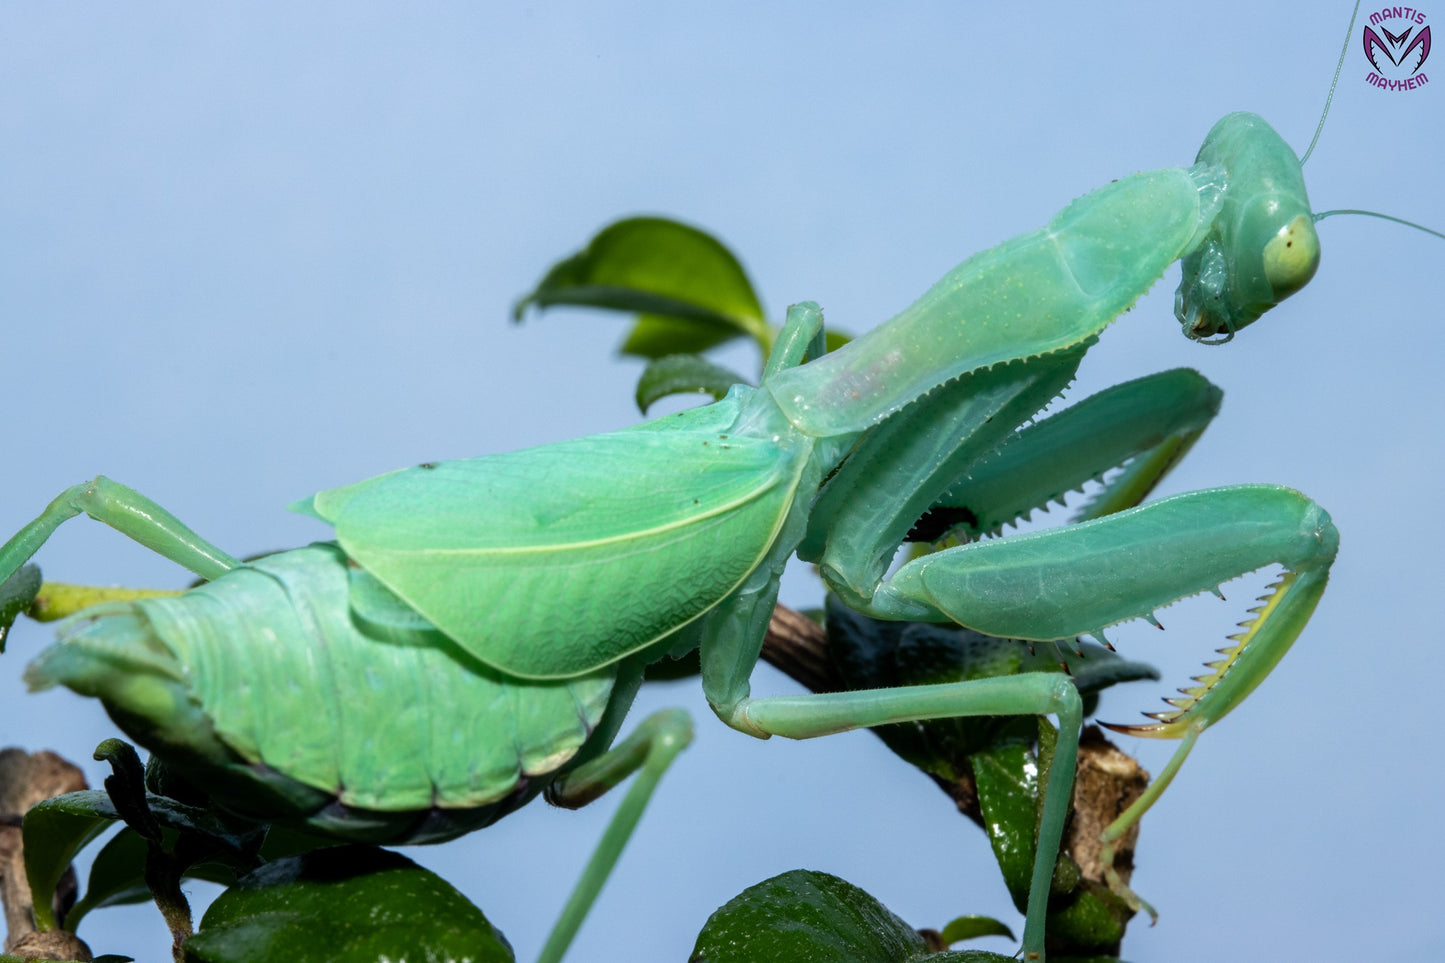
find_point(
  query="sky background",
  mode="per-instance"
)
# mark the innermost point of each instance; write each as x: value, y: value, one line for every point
x: 255, y: 250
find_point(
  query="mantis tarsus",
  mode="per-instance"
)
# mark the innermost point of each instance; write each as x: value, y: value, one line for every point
x: 132, y: 476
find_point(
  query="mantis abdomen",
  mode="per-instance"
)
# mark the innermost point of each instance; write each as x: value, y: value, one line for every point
x: 263, y: 681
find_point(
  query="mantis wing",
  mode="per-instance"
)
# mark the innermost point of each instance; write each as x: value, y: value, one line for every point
x: 552, y: 561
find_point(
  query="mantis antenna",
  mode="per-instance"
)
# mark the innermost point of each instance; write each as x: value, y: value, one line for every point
x: 1334, y: 82
x: 1384, y: 217
x: 1329, y: 98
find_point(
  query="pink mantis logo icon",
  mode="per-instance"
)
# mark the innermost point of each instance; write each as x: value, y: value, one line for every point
x: 1397, y: 55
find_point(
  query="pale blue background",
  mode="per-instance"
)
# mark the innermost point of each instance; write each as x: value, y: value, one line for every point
x: 254, y: 250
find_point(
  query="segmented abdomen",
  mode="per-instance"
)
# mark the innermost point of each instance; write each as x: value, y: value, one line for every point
x: 269, y: 659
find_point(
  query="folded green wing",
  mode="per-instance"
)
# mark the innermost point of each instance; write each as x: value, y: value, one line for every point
x: 552, y: 561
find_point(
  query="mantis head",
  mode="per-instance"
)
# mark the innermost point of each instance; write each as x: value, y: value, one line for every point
x: 1261, y: 246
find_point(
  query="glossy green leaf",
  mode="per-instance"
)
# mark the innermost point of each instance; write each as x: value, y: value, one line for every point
x: 117, y: 875
x: 974, y: 927
x: 54, y: 831
x: 657, y: 336
x: 677, y: 374
x: 1084, y: 916
x: 804, y: 916
x: 350, y: 903
x: 1007, y: 778
x: 222, y: 836
x: 1090, y: 921
x: 58, y: 828
x: 657, y: 267
x: 16, y: 594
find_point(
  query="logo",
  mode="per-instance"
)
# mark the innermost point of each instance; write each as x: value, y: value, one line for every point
x: 1397, y: 44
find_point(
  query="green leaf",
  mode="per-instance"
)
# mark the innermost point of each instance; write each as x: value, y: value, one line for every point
x: 117, y: 876
x: 657, y: 267
x: 656, y: 336
x: 348, y: 903
x: 209, y: 834
x: 803, y: 916
x: 1008, y: 783
x: 677, y: 374
x: 835, y: 339
x: 1084, y: 916
x: 54, y: 831
x: 58, y: 828
x: 16, y: 594
x: 974, y: 927
x: 1092, y: 920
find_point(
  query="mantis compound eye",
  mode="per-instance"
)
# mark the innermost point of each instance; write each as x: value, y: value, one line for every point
x: 1292, y: 256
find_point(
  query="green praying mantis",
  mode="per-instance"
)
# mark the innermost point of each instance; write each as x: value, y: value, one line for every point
x: 444, y: 581
x: 778, y: 451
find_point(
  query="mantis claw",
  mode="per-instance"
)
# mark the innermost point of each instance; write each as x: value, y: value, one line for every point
x: 1134, y: 901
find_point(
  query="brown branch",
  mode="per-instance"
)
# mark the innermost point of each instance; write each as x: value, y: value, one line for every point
x: 25, y: 780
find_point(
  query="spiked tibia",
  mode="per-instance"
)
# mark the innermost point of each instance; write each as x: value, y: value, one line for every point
x: 1243, y: 665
